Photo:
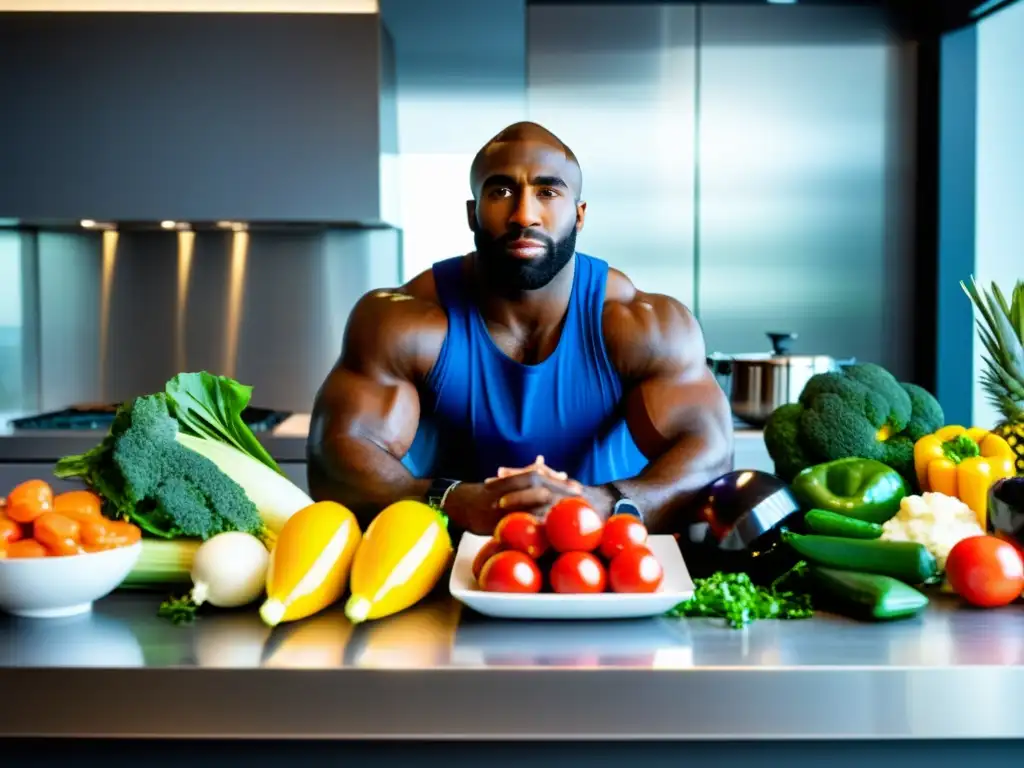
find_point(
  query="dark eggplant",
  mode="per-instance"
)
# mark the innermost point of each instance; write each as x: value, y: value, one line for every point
x: 733, y: 523
x: 1006, y: 509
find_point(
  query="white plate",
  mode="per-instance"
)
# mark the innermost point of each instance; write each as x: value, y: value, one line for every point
x: 676, y: 587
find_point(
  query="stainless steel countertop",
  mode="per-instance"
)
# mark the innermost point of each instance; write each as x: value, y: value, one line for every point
x: 439, y: 671
x: 286, y: 442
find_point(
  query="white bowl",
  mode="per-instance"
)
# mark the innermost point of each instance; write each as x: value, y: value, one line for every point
x: 52, y: 587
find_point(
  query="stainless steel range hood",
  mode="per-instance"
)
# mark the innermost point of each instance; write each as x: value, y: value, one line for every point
x: 197, y: 117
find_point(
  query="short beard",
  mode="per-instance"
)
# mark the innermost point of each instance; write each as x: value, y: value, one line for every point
x: 507, y: 274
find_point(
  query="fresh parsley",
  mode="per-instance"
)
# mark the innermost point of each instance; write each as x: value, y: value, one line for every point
x: 736, y: 599
x: 179, y: 610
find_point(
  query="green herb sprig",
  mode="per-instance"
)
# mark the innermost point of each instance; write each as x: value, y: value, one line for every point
x: 736, y: 599
x: 179, y: 610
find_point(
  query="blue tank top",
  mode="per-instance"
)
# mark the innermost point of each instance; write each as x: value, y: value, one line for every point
x: 482, y: 410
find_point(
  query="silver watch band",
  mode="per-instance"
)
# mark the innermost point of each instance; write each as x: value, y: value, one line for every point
x: 444, y: 496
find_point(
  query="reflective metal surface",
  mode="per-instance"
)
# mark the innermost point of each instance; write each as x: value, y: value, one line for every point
x: 998, y: 180
x: 617, y: 83
x: 757, y: 383
x: 119, y: 313
x: 806, y: 184
x: 950, y: 673
x: 752, y: 161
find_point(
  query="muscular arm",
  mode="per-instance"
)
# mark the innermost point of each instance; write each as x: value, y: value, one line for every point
x: 675, y: 410
x: 366, y: 413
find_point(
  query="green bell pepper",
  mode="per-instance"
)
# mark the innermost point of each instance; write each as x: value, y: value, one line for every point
x: 862, y: 488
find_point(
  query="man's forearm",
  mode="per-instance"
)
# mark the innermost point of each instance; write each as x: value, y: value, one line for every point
x: 362, y: 476
x: 671, y: 480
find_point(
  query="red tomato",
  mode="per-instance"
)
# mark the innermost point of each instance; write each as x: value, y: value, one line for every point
x: 578, y: 573
x: 635, y: 569
x: 511, y: 571
x: 572, y: 525
x: 488, y: 550
x: 985, y: 571
x: 523, y: 532
x: 622, y: 532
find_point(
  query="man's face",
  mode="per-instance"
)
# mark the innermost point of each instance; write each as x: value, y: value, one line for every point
x: 525, y: 217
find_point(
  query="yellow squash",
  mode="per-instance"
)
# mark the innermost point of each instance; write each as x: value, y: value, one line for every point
x: 963, y: 463
x: 403, y: 555
x: 310, y: 563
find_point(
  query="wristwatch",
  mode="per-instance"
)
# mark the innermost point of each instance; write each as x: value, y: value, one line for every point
x: 439, y: 489
x: 624, y: 505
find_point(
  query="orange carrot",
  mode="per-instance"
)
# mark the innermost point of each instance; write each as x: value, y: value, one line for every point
x: 26, y: 548
x: 9, y: 530
x: 123, y: 533
x: 78, y: 505
x: 29, y: 500
x: 109, y: 534
x: 57, y: 533
x: 94, y: 534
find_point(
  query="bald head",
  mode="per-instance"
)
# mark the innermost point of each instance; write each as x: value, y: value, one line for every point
x: 526, y: 207
x: 526, y: 141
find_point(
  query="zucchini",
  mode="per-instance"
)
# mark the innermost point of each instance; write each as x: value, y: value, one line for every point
x: 864, y: 596
x: 834, y: 524
x: 907, y: 561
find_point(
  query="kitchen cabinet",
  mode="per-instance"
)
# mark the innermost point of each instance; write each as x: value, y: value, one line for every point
x: 196, y: 117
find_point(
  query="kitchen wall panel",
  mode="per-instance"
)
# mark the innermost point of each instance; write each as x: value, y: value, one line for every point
x: 999, y: 225
x: 12, y: 333
x: 617, y: 84
x: 120, y: 313
x: 195, y: 117
x: 461, y: 74
x: 69, y: 266
x: 805, y: 182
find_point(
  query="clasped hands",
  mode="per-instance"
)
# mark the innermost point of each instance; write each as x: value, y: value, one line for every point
x: 534, y: 488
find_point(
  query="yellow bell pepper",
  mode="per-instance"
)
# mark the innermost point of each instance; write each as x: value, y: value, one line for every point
x: 963, y: 463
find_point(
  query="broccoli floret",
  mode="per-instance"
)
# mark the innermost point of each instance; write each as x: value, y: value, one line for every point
x: 832, y: 429
x: 165, y: 488
x: 780, y: 435
x: 861, y: 411
x: 883, y: 384
x: 899, y: 454
x: 927, y: 415
x: 872, y: 404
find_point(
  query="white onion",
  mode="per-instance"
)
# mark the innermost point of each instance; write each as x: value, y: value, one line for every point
x: 229, y: 570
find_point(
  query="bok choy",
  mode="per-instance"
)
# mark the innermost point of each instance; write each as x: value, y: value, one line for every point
x: 183, y: 465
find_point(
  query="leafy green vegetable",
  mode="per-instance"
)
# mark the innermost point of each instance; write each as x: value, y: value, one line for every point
x: 735, y: 598
x: 160, y: 485
x: 862, y: 411
x: 211, y: 406
x: 179, y: 610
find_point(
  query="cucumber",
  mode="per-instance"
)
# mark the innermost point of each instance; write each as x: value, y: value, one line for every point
x: 834, y: 524
x: 865, y: 596
x: 907, y: 561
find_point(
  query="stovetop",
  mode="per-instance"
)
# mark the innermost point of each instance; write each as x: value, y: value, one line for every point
x: 86, y: 417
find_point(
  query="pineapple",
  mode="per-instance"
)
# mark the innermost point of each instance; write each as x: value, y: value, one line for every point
x: 1002, y: 331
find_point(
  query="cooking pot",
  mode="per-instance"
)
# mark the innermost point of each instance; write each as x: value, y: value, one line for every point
x: 759, y: 382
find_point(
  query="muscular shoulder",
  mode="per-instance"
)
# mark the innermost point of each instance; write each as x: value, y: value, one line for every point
x: 649, y: 333
x: 396, y: 331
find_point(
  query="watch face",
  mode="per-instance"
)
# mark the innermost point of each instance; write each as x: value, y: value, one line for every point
x: 627, y: 507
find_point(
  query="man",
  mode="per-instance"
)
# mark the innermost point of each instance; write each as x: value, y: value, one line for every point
x: 522, y: 349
